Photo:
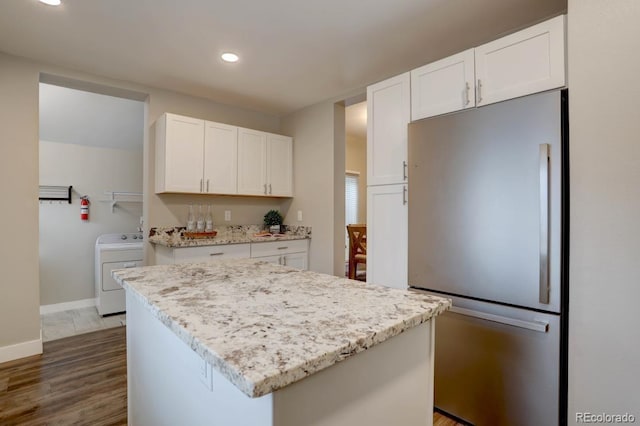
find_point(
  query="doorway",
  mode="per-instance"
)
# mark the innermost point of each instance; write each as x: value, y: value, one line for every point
x: 356, y: 168
x: 91, y: 145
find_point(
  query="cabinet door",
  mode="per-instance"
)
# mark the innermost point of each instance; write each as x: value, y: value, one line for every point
x: 252, y: 162
x: 296, y: 260
x: 182, y: 154
x: 279, y: 165
x: 220, y: 158
x: 388, y: 114
x: 443, y: 86
x: 387, y: 232
x: 529, y: 61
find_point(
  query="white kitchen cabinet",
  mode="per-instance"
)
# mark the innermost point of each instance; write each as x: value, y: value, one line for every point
x: 265, y: 164
x: 279, y: 165
x: 174, y: 255
x: 220, y: 158
x: 443, y: 86
x: 387, y: 235
x: 179, y: 144
x: 388, y: 114
x: 294, y: 253
x: 252, y: 162
x: 529, y: 61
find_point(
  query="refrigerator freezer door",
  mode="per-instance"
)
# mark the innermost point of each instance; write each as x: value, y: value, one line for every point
x: 476, y: 225
x: 497, y: 371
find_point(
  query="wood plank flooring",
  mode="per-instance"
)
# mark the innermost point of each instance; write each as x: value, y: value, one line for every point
x: 79, y: 380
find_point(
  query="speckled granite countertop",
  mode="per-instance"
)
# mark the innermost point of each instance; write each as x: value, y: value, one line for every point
x: 265, y: 326
x: 232, y: 234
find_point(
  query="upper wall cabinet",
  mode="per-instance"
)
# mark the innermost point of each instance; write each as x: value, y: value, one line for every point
x: 220, y: 158
x: 265, y: 164
x: 388, y: 113
x: 179, y: 147
x: 443, y: 86
x: 529, y: 61
x: 202, y: 157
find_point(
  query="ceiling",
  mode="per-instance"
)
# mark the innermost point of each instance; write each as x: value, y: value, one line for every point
x: 293, y: 53
x: 84, y: 118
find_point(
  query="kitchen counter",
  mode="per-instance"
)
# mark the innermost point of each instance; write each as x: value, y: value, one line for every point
x: 243, y: 342
x: 233, y: 234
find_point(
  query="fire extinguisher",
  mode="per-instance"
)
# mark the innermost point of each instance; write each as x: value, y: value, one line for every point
x: 84, y: 208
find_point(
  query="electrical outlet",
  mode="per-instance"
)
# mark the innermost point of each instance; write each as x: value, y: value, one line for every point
x: 299, y: 215
x: 227, y: 215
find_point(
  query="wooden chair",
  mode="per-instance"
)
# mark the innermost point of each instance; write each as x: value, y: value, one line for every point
x: 357, y: 247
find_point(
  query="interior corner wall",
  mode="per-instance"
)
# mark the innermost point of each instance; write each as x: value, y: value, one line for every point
x: 339, y: 164
x: 19, y: 289
x: 312, y: 129
x: 604, y: 65
x: 356, y: 160
x: 66, y: 242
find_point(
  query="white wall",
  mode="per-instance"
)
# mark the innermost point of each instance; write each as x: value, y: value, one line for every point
x: 356, y: 160
x: 604, y: 85
x: 66, y: 242
x: 318, y: 170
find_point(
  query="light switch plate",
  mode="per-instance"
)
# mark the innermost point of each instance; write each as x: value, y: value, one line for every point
x: 227, y: 215
x: 299, y: 215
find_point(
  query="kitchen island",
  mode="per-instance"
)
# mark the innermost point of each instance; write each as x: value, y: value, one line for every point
x: 246, y: 342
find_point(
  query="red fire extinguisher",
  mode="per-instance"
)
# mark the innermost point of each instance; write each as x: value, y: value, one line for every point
x: 84, y: 207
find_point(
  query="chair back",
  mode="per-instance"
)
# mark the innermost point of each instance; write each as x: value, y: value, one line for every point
x: 357, y: 239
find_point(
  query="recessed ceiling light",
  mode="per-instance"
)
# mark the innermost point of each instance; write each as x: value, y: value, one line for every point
x: 51, y: 2
x: 229, y: 57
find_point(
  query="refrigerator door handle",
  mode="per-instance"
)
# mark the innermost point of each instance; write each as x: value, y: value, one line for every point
x: 540, y: 326
x: 544, y: 224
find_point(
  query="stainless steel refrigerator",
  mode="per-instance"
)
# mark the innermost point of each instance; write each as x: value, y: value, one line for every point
x: 488, y: 225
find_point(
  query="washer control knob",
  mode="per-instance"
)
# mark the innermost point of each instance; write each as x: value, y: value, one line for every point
x: 135, y: 237
x: 123, y: 237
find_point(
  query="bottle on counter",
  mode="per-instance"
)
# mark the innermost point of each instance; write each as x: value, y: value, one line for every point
x: 208, y: 223
x: 200, y: 221
x: 191, y: 220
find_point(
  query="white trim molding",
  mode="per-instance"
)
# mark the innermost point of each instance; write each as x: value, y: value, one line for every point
x: 20, y: 350
x: 66, y: 306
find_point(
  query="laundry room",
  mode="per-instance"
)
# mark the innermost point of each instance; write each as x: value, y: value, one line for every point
x: 91, y: 180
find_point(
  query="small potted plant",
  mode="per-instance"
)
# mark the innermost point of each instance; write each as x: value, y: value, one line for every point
x: 273, y: 221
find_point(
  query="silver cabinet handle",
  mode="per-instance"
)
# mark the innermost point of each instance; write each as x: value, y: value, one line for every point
x: 130, y: 265
x: 269, y: 188
x: 207, y: 185
x: 479, y: 92
x: 282, y: 248
x: 265, y: 189
x: 281, y: 260
x: 404, y: 170
x: 216, y: 254
x: 201, y: 185
x: 467, y: 99
x: 541, y: 326
x: 404, y: 195
x: 544, y: 223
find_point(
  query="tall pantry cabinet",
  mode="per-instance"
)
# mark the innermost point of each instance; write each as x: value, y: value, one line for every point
x: 388, y: 114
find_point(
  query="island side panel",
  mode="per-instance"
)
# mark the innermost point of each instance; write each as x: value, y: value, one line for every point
x: 388, y: 384
x: 165, y: 386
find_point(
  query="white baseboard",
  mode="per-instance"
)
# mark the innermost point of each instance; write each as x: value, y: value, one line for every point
x: 66, y: 306
x: 20, y: 350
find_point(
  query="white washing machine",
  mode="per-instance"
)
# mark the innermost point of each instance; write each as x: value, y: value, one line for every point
x: 115, y: 251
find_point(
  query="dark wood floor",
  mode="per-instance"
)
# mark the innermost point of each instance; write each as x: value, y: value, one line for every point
x: 79, y: 380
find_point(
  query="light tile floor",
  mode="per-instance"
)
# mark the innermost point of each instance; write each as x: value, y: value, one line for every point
x: 77, y: 321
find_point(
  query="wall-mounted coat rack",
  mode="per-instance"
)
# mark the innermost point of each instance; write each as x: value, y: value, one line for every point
x: 122, y: 197
x: 55, y: 193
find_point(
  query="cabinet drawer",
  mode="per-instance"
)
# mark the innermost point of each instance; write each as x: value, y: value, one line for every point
x: 273, y: 248
x: 211, y: 253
